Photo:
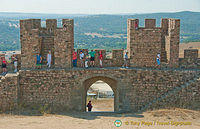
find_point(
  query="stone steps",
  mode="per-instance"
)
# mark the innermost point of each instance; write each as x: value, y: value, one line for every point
x: 170, y: 93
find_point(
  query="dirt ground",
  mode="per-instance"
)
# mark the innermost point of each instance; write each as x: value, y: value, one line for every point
x: 159, y: 119
x: 102, y: 104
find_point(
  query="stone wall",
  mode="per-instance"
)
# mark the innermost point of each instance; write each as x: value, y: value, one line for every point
x: 133, y: 88
x: 35, y: 39
x: 144, y: 43
x: 9, y: 92
x: 65, y: 89
x: 190, y: 59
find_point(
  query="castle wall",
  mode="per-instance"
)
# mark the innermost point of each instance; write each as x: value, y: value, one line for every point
x: 152, y: 85
x: 190, y: 59
x: 134, y: 88
x: 35, y: 39
x: 144, y: 43
x: 30, y: 42
x: 9, y: 92
x: 64, y: 89
x: 174, y: 35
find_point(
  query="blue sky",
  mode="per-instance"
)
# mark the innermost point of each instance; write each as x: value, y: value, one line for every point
x: 98, y: 6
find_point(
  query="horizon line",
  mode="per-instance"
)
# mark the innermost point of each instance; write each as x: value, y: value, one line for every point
x: 93, y: 13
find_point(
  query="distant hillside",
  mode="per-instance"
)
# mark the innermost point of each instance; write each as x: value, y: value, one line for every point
x: 97, y: 31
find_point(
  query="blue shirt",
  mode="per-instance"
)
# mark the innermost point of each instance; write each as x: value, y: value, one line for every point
x: 126, y: 56
x: 38, y: 57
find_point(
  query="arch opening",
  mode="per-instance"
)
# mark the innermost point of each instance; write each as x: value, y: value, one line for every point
x: 102, y: 91
x: 101, y: 96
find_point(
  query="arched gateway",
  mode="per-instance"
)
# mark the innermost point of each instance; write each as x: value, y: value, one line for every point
x: 109, y: 80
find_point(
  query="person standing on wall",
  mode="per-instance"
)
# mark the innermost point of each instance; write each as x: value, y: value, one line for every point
x: 86, y: 60
x: 74, y: 58
x: 4, y: 66
x: 101, y: 59
x: 82, y: 58
x: 38, y: 60
x: 136, y: 24
x: 15, y: 62
x: 92, y: 57
x: 89, y: 106
x: 158, y: 59
x: 49, y: 59
x: 125, y: 65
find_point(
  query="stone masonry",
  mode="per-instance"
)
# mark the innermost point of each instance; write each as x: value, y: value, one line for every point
x: 144, y: 43
x: 35, y: 39
x: 141, y: 87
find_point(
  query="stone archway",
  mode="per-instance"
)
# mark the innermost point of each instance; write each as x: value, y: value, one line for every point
x: 111, y: 82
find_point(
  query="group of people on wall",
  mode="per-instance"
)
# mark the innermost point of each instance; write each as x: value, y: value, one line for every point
x: 4, y: 64
x: 87, y: 60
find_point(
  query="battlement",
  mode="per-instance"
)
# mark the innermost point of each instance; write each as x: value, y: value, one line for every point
x: 143, y: 43
x: 151, y: 24
x: 29, y: 24
x: 191, y: 59
x: 37, y: 39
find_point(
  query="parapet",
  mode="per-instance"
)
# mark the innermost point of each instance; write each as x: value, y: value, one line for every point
x: 190, y: 59
x: 191, y: 53
x: 117, y: 54
x: 29, y: 24
x: 151, y: 23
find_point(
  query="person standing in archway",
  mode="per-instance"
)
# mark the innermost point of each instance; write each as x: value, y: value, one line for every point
x: 89, y: 106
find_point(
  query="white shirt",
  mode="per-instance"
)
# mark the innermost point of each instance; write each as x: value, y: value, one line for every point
x: 49, y: 57
x: 81, y: 55
x: 158, y: 56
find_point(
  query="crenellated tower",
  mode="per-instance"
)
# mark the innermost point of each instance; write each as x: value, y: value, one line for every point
x: 36, y: 39
x: 144, y: 43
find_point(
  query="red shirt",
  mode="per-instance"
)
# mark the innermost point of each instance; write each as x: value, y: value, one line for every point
x: 136, y: 24
x: 74, y: 55
x: 4, y: 62
x: 101, y: 57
